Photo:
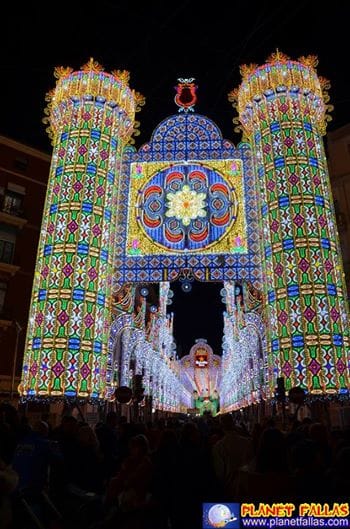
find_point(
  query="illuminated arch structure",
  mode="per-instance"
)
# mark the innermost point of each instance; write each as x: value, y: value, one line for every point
x: 258, y: 217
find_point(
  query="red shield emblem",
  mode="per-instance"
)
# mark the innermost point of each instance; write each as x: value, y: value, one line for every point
x: 186, y: 96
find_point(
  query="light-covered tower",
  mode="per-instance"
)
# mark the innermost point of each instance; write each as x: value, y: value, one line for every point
x: 282, y: 108
x: 91, y: 118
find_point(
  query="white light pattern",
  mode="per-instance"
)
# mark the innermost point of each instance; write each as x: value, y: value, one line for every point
x: 244, y: 367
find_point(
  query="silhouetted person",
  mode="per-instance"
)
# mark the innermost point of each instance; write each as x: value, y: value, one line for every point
x: 9, y: 431
x: 319, y: 435
x: 107, y: 436
x: 309, y: 471
x: 131, y: 486
x: 166, y: 476
x: 339, y: 475
x: 194, y: 477
x: 129, y: 493
x: 87, y: 470
x: 32, y: 459
x: 229, y: 454
x: 8, y: 483
x: 267, y: 477
x: 124, y: 433
x: 256, y: 435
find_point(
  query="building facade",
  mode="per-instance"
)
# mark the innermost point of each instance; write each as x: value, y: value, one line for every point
x: 23, y: 179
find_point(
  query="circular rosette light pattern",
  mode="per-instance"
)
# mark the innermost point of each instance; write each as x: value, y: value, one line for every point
x: 187, y: 207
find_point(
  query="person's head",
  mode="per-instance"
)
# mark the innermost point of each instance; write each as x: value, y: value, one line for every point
x: 69, y: 425
x: 306, y: 456
x: 45, y: 417
x: 256, y: 434
x: 318, y: 433
x: 272, y: 452
x: 112, y: 419
x: 168, y: 440
x: 295, y: 424
x: 306, y: 421
x: 269, y: 422
x: 138, y: 446
x: 191, y: 434
x: 342, y: 462
x: 86, y: 437
x: 41, y: 428
x: 161, y: 424
x: 226, y: 422
x: 139, y: 428
x: 9, y: 414
x: 124, y: 431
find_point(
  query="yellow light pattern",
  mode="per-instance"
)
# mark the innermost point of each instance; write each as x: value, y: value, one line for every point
x: 185, y: 205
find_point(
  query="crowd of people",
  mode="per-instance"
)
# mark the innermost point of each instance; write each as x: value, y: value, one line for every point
x: 122, y: 475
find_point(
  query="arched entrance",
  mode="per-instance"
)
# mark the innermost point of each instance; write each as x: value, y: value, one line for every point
x: 187, y: 211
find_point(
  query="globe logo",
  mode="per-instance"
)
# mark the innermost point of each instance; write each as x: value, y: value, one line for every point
x: 220, y: 515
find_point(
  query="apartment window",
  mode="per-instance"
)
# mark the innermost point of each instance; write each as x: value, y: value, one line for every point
x: 12, y: 199
x: 2, y: 295
x: 7, y: 244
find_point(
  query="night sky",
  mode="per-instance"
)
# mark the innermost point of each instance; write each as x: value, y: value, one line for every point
x: 159, y: 42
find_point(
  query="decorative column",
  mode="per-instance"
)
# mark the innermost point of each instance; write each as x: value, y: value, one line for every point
x: 282, y: 108
x: 91, y: 118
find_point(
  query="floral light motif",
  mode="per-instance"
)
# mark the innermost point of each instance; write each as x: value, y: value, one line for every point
x: 186, y: 205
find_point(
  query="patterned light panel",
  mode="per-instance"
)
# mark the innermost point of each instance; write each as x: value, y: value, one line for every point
x: 191, y: 204
x: 282, y: 109
x: 187, y: 208
x: 91, y: 117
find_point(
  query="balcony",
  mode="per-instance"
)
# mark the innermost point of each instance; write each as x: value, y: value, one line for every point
x: 11, y: 209
x: 7, y: 269
x: 6, y: 318
x: 6, y: 385
x: 12, y: 219
x: 4, y: 323
x: 7, y: 251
